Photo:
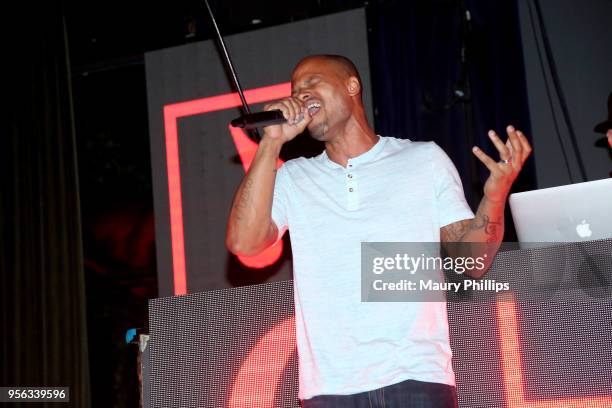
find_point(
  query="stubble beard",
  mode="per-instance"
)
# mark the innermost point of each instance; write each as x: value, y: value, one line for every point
x: 319, y: 131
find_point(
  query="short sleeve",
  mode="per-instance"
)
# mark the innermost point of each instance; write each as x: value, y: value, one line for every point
x: 450, y: 198
x: 280, y: 201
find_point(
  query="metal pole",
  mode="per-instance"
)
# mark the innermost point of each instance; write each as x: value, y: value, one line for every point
x: 230, y: 66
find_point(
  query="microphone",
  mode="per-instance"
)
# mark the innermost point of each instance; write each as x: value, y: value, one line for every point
x: 260, y: 119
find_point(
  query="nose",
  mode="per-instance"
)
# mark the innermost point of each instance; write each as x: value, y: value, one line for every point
x: 304, y: 96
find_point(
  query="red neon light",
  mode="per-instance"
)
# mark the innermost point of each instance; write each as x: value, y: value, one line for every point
x: 172, y: 113
x: 513, y: 371
x: 246, y: 148
x: 256, y: 383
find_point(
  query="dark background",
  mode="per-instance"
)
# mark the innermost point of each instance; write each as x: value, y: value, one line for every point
x: 77, y: 190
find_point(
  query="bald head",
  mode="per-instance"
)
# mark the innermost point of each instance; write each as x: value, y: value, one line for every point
x: 341, y: 64
x: 344, y: 65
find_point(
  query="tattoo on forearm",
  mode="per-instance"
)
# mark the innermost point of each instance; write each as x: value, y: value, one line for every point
x: 242, y: 202
x: 454, y: 232
x: 490, y: 228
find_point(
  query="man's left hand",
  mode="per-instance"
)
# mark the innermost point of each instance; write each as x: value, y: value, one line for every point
x: 512, y: 155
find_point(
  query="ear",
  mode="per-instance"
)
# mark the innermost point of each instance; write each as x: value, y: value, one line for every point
x: 353, y: 86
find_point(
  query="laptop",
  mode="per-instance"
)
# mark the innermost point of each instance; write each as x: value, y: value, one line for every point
x: 572, y: 213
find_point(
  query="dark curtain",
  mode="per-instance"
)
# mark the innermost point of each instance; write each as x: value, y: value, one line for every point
x: 42, y: 283
x: 418, y: 79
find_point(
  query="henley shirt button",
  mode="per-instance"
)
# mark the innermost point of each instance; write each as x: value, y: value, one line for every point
x: 351, y: 189
x: 349, y: 175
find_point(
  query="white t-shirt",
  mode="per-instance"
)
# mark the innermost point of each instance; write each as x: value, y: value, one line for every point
x: 398, y: 191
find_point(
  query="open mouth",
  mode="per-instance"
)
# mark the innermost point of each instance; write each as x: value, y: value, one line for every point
x: 313, y: 108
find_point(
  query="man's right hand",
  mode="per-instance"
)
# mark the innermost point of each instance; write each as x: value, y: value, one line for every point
x: 297, y: 119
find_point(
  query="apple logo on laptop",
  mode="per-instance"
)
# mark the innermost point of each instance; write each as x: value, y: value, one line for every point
x: 583, y: 229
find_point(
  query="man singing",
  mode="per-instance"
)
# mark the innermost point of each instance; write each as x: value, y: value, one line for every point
x: 363, y: 187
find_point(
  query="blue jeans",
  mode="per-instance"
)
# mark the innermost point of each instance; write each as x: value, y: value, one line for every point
x: 406, y: 394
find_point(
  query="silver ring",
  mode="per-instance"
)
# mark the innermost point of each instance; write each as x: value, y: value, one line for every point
x: 506, y: 161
